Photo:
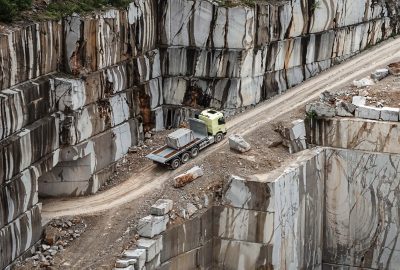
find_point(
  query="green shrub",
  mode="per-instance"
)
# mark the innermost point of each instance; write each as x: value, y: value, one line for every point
x: 22, y: 4
x: 7, y: 11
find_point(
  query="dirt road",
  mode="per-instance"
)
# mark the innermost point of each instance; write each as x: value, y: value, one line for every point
x: 152, y: 177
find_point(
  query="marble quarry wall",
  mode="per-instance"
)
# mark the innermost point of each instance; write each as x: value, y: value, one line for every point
x: 238, y: 56
x: 75, y: 94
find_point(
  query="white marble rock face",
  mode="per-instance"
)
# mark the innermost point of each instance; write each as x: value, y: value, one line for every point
x: 20, y: 235
x: 27, y: 146
x: 362, y: 209
x: 357, y: 134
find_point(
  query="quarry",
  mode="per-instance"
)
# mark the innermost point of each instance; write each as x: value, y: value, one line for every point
x: 304, y: 173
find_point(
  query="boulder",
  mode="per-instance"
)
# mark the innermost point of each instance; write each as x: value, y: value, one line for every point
x: 394, y: 68
x: 191, y: 209
x: 51, y: 235
x: 236, y: 142
x: 359, y: 100
x: 320, y: 109
x: 345, y: 109
x: 295, y: 136
x: 364, y: 82
x: 379, y: 74
x: 187, y: 177
x: 152, y: 225
x: 326, y: 96
x: 161, y: 207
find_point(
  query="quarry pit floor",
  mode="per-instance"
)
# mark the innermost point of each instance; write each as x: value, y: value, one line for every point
x: 111, y: 214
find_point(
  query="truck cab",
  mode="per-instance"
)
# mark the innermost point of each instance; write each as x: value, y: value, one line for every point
x: 215, y: 122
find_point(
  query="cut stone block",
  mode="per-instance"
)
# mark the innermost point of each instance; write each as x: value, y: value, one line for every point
x: 162, y: 207
x: 187, y: 177
x: 121, y: 263
x: 236, y: 142
x: 152, y: 225
x: 379, y: 74
x: 359, y: 100
x: 150, y: 246
x: 321, y: 109
x: 138, y: 254
x: 390, y: 114
x: 367, y: 112
x: 130, y: 267
x: 296, y: 136
x: 363, y: 82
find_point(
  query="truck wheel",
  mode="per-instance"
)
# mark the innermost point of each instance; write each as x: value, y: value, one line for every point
x: 175, y: 163
x: 219, y: 137
x: 185, y: 157
x: 194, y: 152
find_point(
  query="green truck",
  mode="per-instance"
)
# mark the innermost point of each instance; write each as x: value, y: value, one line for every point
x: 183, y: 144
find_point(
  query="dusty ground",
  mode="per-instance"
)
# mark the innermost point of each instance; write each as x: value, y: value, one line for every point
x: 110, y: 216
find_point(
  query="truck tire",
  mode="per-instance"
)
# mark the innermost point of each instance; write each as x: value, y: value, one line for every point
x: 194, y: 152
x: 219, y: 137
x: 185, y: 157
x: 175, y: 163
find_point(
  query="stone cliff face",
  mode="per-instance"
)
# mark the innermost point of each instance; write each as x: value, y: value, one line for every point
x: 75, y: 94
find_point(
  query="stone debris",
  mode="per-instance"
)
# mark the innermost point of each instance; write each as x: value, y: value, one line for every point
x: 394, y: 68
x: 150, y: 226
x: 236, y: 142
x: 327, y: 97
x: 57, y: 235
x: 320, y: 109
x: 345, y: 109
x: 161, y: 207
x: 187, y: 177
x: 191, y: 209
x: 379, y: 74
x: 364, y: 82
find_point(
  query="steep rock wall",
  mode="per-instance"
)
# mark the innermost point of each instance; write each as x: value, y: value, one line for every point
x: 75, y: 94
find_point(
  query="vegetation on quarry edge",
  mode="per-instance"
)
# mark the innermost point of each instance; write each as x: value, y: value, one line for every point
x: 10, y: 10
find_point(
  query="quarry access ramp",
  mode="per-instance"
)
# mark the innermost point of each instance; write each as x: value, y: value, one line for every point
x: 152, y: 177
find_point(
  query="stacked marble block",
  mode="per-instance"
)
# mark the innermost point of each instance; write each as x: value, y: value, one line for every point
x: 235, y: 57
x: 147, y: 255
x: 29, y: 147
